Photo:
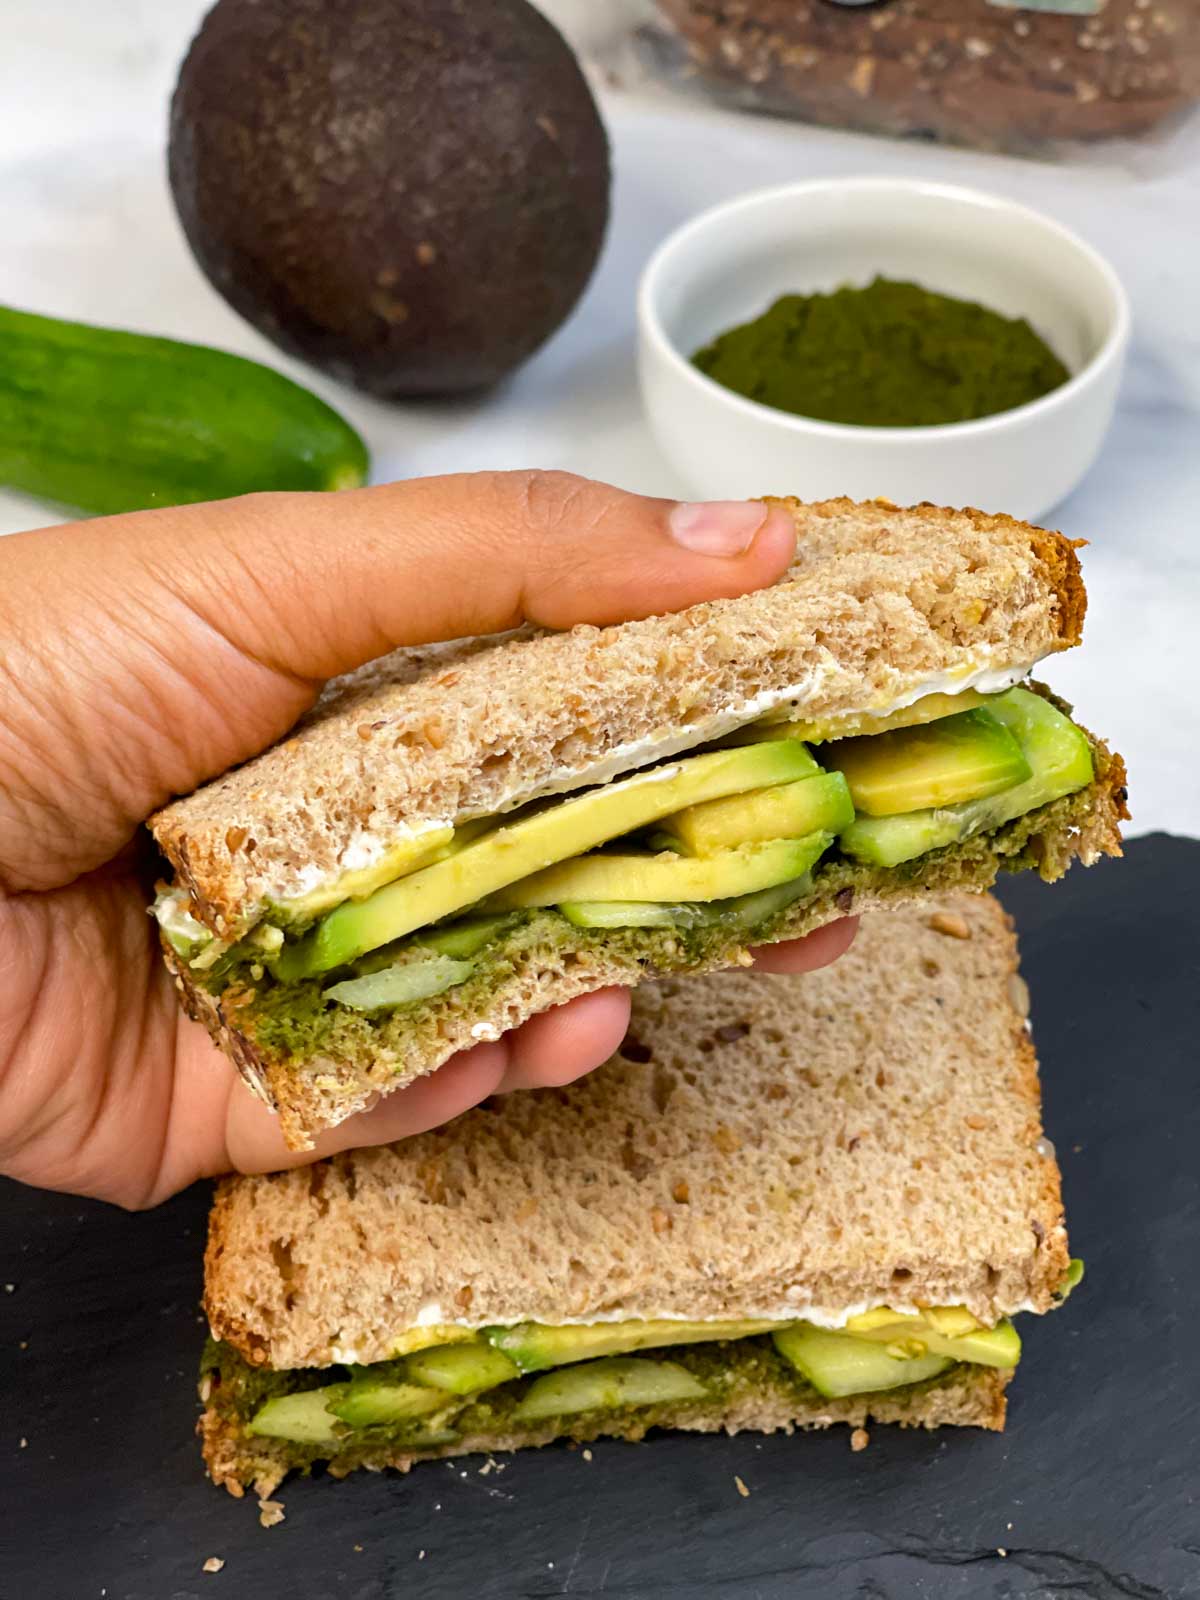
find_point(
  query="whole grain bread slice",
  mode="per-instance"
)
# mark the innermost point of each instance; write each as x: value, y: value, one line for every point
x: 964, y: 1397
x: 869, y: 1134
x: 548, y: 962
x: 880, y: 604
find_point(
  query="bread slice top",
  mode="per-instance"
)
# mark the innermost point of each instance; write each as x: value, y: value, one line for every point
x: 761, y: 1146
x: 880, y: 606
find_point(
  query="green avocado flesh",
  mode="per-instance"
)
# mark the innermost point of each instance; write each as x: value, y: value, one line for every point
x: 964, y: 757
x: 1060, y: 762
x: 515, y: 850
x: 504, y: 1379
x: 685, y: 857
x: 661, y: 877
x: 783, y: 811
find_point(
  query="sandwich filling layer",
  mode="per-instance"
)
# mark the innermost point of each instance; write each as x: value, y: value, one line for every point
x: 721, y: 844
x: 495, y: 1388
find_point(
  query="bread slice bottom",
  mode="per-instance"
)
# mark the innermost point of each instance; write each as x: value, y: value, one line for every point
x: 319, y: 1070
x: 764, y: 1398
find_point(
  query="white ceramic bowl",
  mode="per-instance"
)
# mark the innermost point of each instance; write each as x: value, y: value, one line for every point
x: 730, y: 263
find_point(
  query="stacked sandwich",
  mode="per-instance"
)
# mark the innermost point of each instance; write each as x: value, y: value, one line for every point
x: 790, y: 1201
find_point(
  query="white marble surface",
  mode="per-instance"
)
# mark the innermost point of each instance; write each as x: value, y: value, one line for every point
x: 90, y: 232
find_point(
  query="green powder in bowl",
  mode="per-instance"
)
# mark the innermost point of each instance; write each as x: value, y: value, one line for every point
x: 890, y: 355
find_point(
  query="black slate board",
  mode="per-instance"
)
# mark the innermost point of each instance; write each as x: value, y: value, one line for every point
x: 1091, y: 1493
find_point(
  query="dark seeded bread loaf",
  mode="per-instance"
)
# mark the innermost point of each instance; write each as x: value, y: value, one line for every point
x: 970, y: 71
x: 868, y: 1134
x: 879, y: 602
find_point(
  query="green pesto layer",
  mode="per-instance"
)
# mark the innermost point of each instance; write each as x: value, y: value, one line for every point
x: 742, y: 1371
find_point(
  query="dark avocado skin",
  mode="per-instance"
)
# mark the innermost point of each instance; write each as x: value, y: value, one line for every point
x: 409, y: 194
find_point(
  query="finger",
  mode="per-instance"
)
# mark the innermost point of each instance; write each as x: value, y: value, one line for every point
x: 817, y: 949
x: 473, y: 553
x: 552, y: 1049
x: 255, y: 1144
x: 145, y: 654
x: 561, y: 1045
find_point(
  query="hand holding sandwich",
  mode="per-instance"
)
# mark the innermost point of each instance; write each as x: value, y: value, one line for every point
x: 147, y: 653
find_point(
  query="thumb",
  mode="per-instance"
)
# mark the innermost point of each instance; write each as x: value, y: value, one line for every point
x: 149, y: 652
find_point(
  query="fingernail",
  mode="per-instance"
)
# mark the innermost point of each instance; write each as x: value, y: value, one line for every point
x: 717, y: 527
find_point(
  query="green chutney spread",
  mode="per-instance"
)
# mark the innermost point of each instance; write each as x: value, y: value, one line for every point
x: 890, y: 355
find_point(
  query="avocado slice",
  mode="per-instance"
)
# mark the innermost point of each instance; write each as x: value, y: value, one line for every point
x: 951, y: 1331
x: 303, y: 1418
x: 929, y: 708
x: 784, y: 811
x: 606, y: 1386
x: 371, y: 1401
x: 462, y: 1368
x: 438, y: 1333
x: 964, y: 757
x: 723, y: 876
x: 533, y: 841
x: 838, y: 1364
x: 770, y: 728
x: 431, y: 844
x: 1058, y: 754
x: 400, y: 985
x: 534, y: 1345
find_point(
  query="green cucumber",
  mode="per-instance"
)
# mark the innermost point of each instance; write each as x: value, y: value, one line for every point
x: 304, y: 1417
x: 400, y: 985
x: 837, y: 1364
x: 607, y: 1386
x: 106, y: 421
x: 372, y: 1401
x: 461, y: 1368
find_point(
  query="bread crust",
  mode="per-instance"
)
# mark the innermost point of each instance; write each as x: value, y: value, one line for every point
x: 970, y: 1397
x: 312, y: 1095
x: 879, y: 601
x: 869, y: 1134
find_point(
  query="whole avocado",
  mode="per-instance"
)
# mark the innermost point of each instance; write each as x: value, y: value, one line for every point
x: 409, y: 194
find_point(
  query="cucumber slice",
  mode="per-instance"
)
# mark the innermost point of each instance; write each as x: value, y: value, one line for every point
x: 607, y: 1386
x: 462, y: 1368
x: 746, y: 911
x: 400, y: 985
x: 784, y: 811
x: 304, y: 1418
x: 465, y: 939
x: 750, y: 911
x: 666, y: 878
x: 536, y: 1345
x: 964, y: 757
x: 1058, y: 754
x: 550, y: 833
x: 627, y: 914
x: 370, y: 1402
x: 838, y: 1364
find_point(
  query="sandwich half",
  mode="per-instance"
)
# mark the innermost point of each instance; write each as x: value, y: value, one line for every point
x: 461, y: 836
x: 836, y: 1226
